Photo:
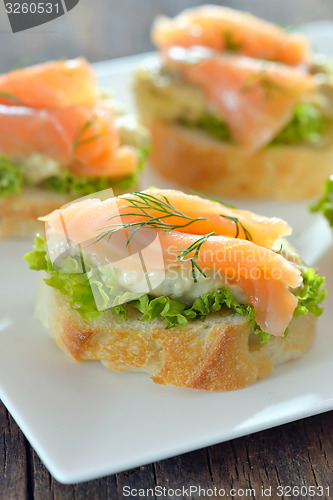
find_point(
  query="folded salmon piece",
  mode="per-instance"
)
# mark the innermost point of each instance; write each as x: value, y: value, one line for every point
x: 83, y: 139
x: 225, y: 29
x: 255, y: 98
x: 50, y: 85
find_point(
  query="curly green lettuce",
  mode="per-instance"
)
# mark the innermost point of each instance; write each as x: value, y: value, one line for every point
x: 176, y: 313
x: 310, y: 294
x: 307, y: 125
x: 66, y: 183
x: 97, y: 283
x: 325, y: 203
x: 211, y: 125
x: 11, y: 177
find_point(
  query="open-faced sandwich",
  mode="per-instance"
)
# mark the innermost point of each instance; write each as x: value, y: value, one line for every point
x: 237, y: 106
x: 60, y: 138
x: 192, y: 291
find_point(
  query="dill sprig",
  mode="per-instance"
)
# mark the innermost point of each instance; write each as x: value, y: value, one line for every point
x: 143, y: 203
x: 79, y: 141
x: 194, y: 247
x: 263, y: 81
x: 147, y: 201
x: 230, y: 43
x: 239, y: 226
x: 11, y: 97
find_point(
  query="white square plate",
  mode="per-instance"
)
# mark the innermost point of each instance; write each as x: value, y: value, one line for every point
x: 86, y: 422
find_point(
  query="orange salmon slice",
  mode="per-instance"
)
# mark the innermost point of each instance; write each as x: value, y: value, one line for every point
x: 222, y: 28
x: 213, y: 217
x: 82, y: 139
x: 51, y: 85
x: 255, y: 98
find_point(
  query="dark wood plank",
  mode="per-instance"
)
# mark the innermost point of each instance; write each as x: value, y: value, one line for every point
x: 185, y: 470
x: 138, y: 478
x: 14, y: 473
x: 297, y: 454
x: 46, y: 487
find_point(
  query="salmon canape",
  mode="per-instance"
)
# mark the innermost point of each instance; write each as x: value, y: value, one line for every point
x: 60, y: 137
x: 195, y: 292
x: 237, y: 106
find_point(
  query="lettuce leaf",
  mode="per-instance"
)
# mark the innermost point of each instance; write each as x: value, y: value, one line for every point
x: 37, y: 258
x: 176, y: 313
x: 325, y: 203
x: 307, y: 125
x: 310, y: 294
x: 66, y: 183
x: 78, y: 287
x: 11, y: 177
x: 74, y: 285
x: 212, y: 125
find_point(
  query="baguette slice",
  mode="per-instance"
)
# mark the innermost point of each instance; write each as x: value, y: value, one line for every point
x: 19, y: 213
x: 192, y: 159
x: 219, y: 354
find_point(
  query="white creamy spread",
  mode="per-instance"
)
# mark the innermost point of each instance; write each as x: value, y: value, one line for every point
x: 39, y: 167
x: 174, y: 282
x: 177, y: 284
x: 131, y: 131
x: 162, y: 93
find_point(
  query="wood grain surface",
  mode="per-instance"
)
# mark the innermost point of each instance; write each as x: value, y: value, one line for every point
x: 297, y: 454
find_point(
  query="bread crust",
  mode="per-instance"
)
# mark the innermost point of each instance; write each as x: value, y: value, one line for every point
x: 194, y: 160
x: 219, y: 354
x: 19, y: 213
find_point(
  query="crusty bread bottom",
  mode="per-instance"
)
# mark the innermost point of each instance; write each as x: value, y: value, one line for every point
x: 219, y: 354
x: 19, y: 213
x: 193, y: 159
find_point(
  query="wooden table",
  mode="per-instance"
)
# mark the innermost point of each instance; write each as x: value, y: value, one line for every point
x: 297, y: 454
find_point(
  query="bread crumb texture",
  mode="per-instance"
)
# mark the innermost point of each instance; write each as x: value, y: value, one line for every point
x: 219, y: 354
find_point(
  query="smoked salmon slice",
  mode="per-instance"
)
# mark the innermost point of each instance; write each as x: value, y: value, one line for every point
x: 264, y: 275
x: 216, y: 216
x: 50, y: 85
x: 212, y: 215
x: 81, y: 138
x: 255, y: 98
x: 222, y: 28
